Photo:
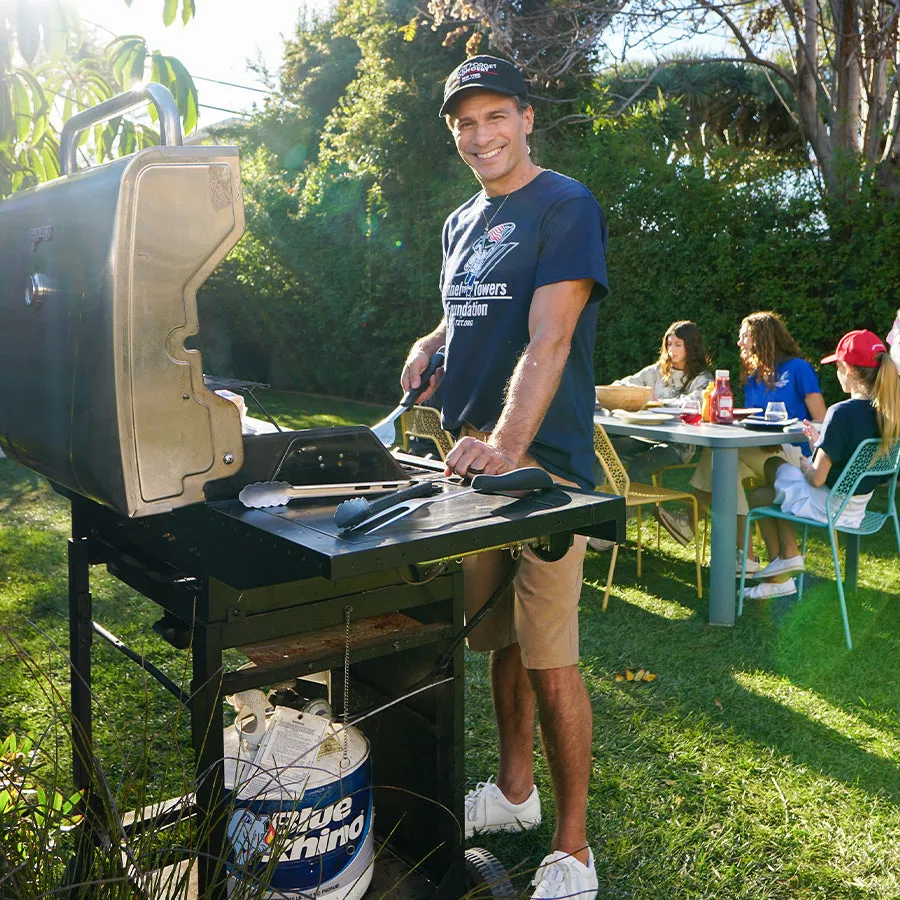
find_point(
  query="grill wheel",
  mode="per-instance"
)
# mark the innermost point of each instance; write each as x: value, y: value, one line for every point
x: 486, y: 879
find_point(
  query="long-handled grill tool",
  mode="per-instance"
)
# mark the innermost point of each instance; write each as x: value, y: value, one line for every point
x: 261, y: 494
x: 359, y: 509
x: 385, y: 430
x: 528, y: 479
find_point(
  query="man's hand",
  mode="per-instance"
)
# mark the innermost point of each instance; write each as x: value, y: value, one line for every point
x: 473, y: 457
x: 416, y: 363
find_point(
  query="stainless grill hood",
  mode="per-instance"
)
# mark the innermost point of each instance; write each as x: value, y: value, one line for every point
x: 99, y: 272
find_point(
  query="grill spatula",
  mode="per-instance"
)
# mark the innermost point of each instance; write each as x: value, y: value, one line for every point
x: 385, y: 430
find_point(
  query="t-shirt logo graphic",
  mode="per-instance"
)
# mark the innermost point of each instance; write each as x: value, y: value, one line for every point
x: 488, y: 251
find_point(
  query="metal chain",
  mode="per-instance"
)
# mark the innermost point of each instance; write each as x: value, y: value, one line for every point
x: 345, y: 761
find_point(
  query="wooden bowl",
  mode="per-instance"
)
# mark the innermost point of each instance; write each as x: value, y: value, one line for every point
x: 622, y: 396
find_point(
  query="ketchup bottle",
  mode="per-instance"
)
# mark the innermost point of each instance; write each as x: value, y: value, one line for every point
x: 722, y: 404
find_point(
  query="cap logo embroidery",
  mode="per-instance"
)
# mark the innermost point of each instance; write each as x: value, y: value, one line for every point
x: 475, y: 70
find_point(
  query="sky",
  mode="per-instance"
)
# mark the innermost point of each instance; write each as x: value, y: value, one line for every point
x: 216, y: 44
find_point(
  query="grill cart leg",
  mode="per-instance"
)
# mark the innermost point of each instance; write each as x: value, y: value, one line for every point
x: 80, y: 636
x: 207, y: 724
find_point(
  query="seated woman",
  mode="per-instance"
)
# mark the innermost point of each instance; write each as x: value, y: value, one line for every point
x: 772, y: 368
x: 682, y: 370
x: 868, y: 374
x: 893, y: 341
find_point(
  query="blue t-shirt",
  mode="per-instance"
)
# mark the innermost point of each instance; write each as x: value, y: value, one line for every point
x: 794, y: 379
x: 847, y: 424
x: 497, y: 252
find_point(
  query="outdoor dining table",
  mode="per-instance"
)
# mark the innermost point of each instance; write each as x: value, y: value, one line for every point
x: 724, y: 441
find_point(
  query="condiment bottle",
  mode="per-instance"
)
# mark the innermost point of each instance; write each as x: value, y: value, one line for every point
x: 707, y: 401
x: 721, y: 407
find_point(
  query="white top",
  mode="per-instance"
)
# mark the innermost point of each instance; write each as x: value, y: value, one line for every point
x: 650, y: 376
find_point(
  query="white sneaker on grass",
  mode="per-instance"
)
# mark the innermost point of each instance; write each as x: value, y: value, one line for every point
x: 677, y: 524
x: 753, y: 565
x: 561, y: 875
x: 770, y: 589
x: 488, y: 811
x: 779, y: 566
x: 601, y: 545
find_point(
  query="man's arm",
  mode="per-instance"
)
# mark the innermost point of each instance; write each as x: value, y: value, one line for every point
x: 554, y: 313
x: 417, y: 361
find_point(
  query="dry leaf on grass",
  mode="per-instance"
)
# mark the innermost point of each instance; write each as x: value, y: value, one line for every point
x: 637, y: 676
x: 718, y: 702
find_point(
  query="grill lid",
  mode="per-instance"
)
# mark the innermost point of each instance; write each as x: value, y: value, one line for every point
x: 99, y: 272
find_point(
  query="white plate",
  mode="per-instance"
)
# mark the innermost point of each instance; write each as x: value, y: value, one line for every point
x: 650, y: 417
x: 754, y: 422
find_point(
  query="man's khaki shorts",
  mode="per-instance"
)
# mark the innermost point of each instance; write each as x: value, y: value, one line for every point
x: 539, y: 611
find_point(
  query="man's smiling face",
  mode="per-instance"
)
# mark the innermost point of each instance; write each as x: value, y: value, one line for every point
x: 491, y: 136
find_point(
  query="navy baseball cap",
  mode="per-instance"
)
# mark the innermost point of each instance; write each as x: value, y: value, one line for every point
x: 486, y: 72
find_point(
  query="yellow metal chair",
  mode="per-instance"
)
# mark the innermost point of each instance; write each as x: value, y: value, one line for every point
x: 425, y: 422
x: 636, y: 495
x: 749, y: 485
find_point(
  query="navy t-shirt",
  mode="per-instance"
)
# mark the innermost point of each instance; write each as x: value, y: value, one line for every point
x: 847, y: 424
x: 497, y: 252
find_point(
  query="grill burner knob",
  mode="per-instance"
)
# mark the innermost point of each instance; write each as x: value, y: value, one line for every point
x: 37, y: 290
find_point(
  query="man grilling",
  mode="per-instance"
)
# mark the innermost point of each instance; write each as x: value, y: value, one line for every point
x: 523, y: 268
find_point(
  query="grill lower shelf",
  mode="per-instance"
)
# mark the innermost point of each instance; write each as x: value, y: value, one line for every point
x: 323, y: 649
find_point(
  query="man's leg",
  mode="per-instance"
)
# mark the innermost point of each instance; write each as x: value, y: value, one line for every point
x: 566, y: 733
x: 514, y: 705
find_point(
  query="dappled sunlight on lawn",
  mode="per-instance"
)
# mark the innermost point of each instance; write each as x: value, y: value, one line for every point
x: 592, y: 601
x: 881, y: 742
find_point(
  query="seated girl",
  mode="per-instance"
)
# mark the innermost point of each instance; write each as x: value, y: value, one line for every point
x: 868, y: 374
x: 772, y: 368
x: 893, y: 341
x: 682, y: 370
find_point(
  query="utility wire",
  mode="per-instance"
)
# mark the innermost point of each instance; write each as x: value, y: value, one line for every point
x: 222, y: 109
x: 243, y: 87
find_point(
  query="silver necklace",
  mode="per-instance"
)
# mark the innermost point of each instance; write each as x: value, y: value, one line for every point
x: 489, y: 222
x: 529, y: 175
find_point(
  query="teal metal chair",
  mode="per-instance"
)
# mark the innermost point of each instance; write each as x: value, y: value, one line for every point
x: 865, y: 462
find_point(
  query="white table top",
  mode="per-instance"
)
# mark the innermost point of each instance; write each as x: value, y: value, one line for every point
x: 703, y: 435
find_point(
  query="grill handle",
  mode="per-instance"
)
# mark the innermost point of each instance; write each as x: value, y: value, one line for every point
x: 157, y: 94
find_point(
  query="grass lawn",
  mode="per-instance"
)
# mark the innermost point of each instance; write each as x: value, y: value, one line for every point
x: 763, y: 761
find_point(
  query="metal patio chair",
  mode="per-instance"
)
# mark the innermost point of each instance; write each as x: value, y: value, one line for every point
x: 636, y: 495
x: 865, y: 462
x: 425, y: 422
x: 749, y: 484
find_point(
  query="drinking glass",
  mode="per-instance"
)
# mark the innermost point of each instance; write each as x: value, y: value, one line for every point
x: 776, y: 411
x: 690, y: 411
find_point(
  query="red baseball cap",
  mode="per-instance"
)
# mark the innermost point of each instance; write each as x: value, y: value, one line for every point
x: 858, y: 348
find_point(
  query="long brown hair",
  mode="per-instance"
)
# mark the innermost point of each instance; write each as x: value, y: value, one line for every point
x: 770, y: 344
x: 883, y: 385
x: 696, y: 358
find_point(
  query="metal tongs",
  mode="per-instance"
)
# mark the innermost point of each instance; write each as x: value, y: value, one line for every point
x: 531, y: 478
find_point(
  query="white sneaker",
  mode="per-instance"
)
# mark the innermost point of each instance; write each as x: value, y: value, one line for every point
x: 488, y: 811
x: 779, y: 566
x: 677, y: 524
x: 561, y: 875
x: 600, y: 545
x: 753, y: 565
x: 770, y: 589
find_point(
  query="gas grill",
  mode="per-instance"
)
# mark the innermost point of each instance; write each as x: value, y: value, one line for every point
x: 100, y: 270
